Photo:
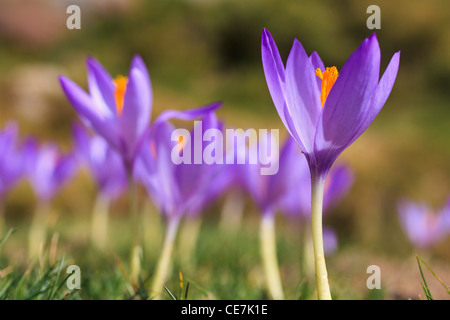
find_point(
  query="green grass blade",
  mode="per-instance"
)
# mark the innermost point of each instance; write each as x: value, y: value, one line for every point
x: 424, y: 284
x: 8, y: 234
x: 434, y: 274
x: 170, y: 294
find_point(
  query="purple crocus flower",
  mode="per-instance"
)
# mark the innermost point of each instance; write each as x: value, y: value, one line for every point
x: 297, y: 202
x: 325, y: 111
x: 48, y: 169
x: 119, y: 109
x: 423, y: 226
x: 178, y: 189
x: 11, y: 161
x: 185, y: 188
x: 103, y: 162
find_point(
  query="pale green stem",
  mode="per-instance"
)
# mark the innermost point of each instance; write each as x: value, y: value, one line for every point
x: 2, y: 218
x: 317, y: 189
x: 164, y: 262
x: 136, y: 253
x: 100, y: 220
x: 308, y: 251
x: 38, y: 229
x: 232, y: 211
x: 188, y: 239
x: 269, y: 257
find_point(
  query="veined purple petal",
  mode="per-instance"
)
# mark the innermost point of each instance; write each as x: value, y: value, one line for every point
x: 274, y: 72
x: 101, y: 88
x: 381, y: 93
x: 135, y: 116
x: 317, y: 64
x: 302, y: 95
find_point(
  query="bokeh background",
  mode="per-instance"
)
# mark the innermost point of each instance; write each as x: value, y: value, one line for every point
x: 200, y: 51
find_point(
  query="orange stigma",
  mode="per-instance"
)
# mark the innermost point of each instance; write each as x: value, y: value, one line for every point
x: 181, y: 143
x: 328, y: 78
x: 120, y: 83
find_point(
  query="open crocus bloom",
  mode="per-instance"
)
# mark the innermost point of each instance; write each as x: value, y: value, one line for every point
x: 423, y: 226
x: 325, y: 110
x: 119, y: 109
x: 179, y: 189
x: 48, y: 169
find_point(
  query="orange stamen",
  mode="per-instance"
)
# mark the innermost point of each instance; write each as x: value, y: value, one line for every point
x: 119, y: 93
x: 328, y: 78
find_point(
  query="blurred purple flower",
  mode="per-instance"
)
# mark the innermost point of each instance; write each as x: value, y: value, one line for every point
x: 423, y: 226
x: 48, y: 169
x: 325, y: 111
x: 11, y: 161
x: 103, y: 162
x: 120, y: 109
x: 179, y: 189
x: 297, y: 202
x: 330, y: 240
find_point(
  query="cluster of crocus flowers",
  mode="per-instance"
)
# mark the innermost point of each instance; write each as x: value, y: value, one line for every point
x: 325, y: 112
x: 119, y: 110
x: 424, y: 226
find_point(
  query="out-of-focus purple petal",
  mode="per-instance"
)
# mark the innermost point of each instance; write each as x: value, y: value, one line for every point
x: 101, y: 87
x: 330, y: 240
x: 423, y: 227
x: 136, y: 110
x: 338, y: 182
x: 139, y: 64
x: 103, y: 123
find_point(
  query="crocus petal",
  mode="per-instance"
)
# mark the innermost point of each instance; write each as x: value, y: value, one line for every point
x: 190, y: 114
x: 381, y: 93
x: 303, y: 97
x: 136, y: 111
x: 139, y: 64
x: 274, y: 73
x: 83, y: 105
x: 101, y: 88
x: 348, y: 102
x: 317, y: 64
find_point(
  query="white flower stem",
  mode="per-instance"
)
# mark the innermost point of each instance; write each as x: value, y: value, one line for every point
x: 269, y: 257
x: 317, y: 190
x: 164, y: 262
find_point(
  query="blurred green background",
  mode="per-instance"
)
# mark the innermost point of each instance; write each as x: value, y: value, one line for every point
x: 201, y: 51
